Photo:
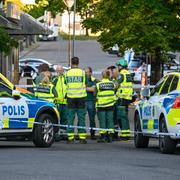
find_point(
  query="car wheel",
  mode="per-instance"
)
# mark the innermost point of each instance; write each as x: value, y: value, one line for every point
x: 43, y: 134
x: 166, y: 144
x: 140, y: 140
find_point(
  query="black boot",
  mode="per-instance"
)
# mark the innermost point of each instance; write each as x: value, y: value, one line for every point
x: 93, y: 137
x: 102, y: 138
x: 109, y: 138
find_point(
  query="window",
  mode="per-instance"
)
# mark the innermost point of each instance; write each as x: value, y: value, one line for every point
x: 166, y: 85
x: 3, y: 82
x: 156, y: 89
x: 5, y: 91
x: 174, y: 84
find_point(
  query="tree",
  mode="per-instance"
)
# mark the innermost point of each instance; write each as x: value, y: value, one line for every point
x: 6, y: 42
x: 54, y: 6
x: 150, y: 26
x: 85, y: 8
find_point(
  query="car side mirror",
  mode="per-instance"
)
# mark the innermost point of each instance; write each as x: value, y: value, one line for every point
x: 145, y: 92
x: 16, y: 94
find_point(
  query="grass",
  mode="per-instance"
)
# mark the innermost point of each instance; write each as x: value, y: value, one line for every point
x: 78, y: 37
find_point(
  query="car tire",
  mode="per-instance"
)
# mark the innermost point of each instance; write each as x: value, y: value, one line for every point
x: 43, y: 134
x: 140, y: 140
x: 166, y: 144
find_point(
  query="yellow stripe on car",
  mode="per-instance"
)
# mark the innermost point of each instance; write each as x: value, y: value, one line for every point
x: 173, y: 117
x: 6, y: 122
x: 150, y: 124
x: 30, y: 122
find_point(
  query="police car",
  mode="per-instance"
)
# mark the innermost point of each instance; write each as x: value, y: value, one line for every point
x: 23, y: 115
x: 158, y: 114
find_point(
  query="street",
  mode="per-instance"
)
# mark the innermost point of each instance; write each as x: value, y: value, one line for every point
x: 92, y: 161
x: 89, y: 52
x: 119, y: 160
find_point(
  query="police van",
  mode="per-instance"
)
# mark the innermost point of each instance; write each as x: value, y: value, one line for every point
x: 23, y: 115
x: 158, y: 114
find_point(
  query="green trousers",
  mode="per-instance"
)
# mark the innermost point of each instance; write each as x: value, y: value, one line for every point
x: 63, y: 110
x: 122, y: 114
x: 90, y: 106
x: 81, y: 119
x: 106, y: 120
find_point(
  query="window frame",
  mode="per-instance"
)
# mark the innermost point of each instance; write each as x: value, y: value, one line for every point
x: 169, y: 76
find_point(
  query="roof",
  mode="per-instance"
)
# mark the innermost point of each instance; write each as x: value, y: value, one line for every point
x: 175, y: 73
x: 27, y: 25
x: 4, y: 22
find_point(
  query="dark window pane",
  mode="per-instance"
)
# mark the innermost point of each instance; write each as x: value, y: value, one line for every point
x: 5, y: 91
x: 156, y: 89
x: 174, y: 84
x: 166, y: 85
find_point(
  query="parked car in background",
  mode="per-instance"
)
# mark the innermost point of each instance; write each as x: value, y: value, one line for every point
x: 133, y: 67
x: 34, y: 63
x: 114, y: 50
x: 171, y: 66
x: 54, y: 36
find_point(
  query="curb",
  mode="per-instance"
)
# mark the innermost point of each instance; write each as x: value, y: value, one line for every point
x: 28, y: 50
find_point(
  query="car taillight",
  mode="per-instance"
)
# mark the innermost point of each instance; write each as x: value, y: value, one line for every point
x: 176, y: 103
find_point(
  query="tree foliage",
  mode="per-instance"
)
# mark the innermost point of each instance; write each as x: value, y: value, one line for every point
x: 6, y: 42
x: 54, y: 6
x: 145, y: 25
x: 150, y: 26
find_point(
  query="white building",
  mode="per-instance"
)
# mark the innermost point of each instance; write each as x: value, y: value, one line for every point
x: 63, y: 22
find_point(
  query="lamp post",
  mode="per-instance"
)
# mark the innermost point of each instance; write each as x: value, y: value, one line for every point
x: 74, y: 27
x: 69, y: 4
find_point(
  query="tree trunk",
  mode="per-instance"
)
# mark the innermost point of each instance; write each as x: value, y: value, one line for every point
x: 156, y: 67
x: 87, y: 33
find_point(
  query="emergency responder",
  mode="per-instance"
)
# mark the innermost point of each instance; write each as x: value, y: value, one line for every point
x: 46, y: 90
x: 124, y: 94
x: 105, y: 100
x: 61, y: 100
x: 90, y: 100
x: 43, y: 69
x: 114, y: 77
x: 76, y: 97
x: 27, y: 71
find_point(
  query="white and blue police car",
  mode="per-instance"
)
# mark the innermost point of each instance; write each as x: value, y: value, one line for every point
x: 23, y: 115
x: 158, y: 115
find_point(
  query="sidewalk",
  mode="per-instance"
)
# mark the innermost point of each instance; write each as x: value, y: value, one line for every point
x: 26, y: 51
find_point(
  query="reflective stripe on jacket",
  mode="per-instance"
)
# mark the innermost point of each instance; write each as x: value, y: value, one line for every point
x: 105, y: 93
x: 45, y: 91
x: 125, y: 90
x: 61, y: 89
x: 75, y: 80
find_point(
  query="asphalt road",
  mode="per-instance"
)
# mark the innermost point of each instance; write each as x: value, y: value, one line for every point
x: 117, y: 161
x: 89, y: 52
x: 92, y: 161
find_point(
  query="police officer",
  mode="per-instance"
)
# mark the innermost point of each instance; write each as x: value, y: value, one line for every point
x: 105, y: 100
x: 90, y: 100
x: 61, y: 100
x: 124, y: 94
x: 114, y: 73
x: 76, y: 97
x: 46, y: 90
